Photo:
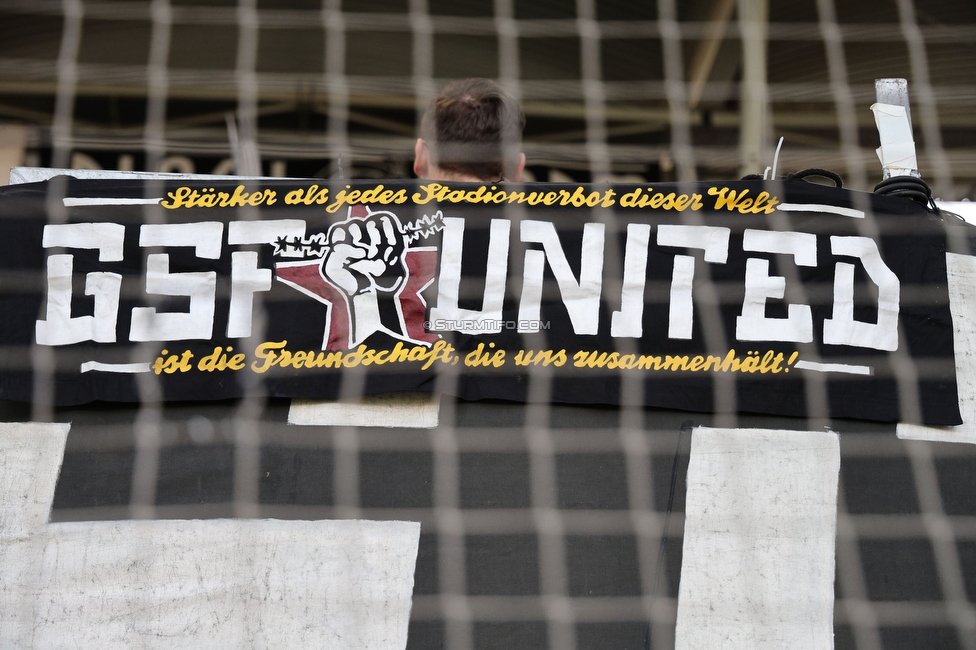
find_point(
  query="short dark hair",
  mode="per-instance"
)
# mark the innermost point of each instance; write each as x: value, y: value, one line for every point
x: 473, y: 127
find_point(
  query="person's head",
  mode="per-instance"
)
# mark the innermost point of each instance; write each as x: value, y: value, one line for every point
x: 472, y: 131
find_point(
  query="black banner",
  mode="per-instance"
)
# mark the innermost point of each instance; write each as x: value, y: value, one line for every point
x: 782, y: 298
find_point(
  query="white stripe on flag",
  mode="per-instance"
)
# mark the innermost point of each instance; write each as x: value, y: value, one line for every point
x: 757, y: 570
x: 88, y: 366
x: 70, y: 202
x: 834, y: 367
x: 817, y: 207
x: 223, y: 583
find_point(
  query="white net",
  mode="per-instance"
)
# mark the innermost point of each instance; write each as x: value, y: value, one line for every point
x: 542, y: 526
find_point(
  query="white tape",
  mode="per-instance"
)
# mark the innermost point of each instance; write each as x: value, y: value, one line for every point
x: 189, y: 584
x: 757, y: 570
x: 961, y: 273
x: 897, y: 150
x: 405, y: 410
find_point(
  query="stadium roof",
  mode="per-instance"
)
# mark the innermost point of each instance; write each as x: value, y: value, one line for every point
x: 323, y: 78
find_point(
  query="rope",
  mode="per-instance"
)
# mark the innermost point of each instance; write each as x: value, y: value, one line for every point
x: 803, y: 174
x: 816, y: 171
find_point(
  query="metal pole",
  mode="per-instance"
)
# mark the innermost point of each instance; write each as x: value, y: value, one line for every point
x: 754, y: 110
x: 893, y: 91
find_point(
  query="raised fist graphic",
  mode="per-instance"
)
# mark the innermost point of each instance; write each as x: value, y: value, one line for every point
x: 364, y: 259
x: 366, y: 255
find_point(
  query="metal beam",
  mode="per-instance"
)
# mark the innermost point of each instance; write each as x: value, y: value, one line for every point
x: 13, y: 140
x: 707, y: 50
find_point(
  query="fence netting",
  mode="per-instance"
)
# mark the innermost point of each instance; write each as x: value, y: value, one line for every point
x: 542, y: 525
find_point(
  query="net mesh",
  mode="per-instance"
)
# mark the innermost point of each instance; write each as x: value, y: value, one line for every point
x: 542, y: 525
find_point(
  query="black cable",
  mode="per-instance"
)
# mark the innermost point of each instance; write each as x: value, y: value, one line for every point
x: 907, y: 187
x: 816, y: 171
x: 802, y: 175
